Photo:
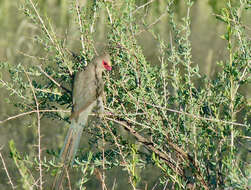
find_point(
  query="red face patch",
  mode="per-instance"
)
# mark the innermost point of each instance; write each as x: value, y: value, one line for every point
x: 106, y: 65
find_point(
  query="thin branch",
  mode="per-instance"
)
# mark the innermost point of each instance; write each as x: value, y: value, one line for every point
x: 120, y: 151
x: 109, y: 14
x: 30, y: 112
x: 163, y: 75
x: 53, y: 41
x: 53, y: 80
x: 102, y: 177
x: 129, y: 114
x: 48, y: 91
x: 46, y: 30
x: 32, y: 56
x: 114, y: 184
x: 233, y: 21
x: 196, y: 116
x: 80, y: 25
x: 94, y: 17
x: 39, y: 134
x: 152, y: 24
x: 148, y: 144
x: 8, y: 86
x: 68, y: 178
x: 142, y: 6
x: 170, y: 162
x: 42, y: 71
x: 65, y: 111
x: 6, y: 170
x: 41, y: 21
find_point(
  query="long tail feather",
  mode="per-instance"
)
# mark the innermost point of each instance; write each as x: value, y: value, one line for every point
x: 71, y: 143
x: 68, y: 152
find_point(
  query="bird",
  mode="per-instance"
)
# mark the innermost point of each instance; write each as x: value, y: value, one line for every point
x: 88, y: 89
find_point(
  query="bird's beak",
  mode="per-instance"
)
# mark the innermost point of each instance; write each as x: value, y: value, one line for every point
x: 108, y: 67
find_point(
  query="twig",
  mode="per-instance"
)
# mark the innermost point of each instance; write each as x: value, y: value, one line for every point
x: 40, y: 67
x: 41, y: 21
x: 47, y: 33
x: 48, y: 91
x: 64, y: 111
x: 192, y: 115
x: 163, y: 75
x: 6, y: 171
x: 94, y: 17
x: 166, y: 184
x: 196, y: 116
x: 68, y: 178
x: 30, y: 112
x: 39, y: 134
x: 12, y: 89
x: 53, y: 80
x: 114, y: 184
x: 233, y: 21
x: 46, y: 30
x: 148, y: 144
x: 142, y: 6
x: 109, y: 14
x: 80, y: 25
x: 153, y: 23
x: 151, y: 146
x: 120, y: 151
x: 31, y: 56
x: 102, y: 177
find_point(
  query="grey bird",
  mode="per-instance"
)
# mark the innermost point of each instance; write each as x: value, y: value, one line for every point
x: 88, y: 89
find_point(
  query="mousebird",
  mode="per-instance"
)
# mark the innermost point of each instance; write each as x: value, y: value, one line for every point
x: 88, y: 88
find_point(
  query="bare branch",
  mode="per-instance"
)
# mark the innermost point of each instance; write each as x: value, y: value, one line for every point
x: 39, y: 134
x: 196, y: 116
x: 42, y: 22
x: 80, y: 25
x: 142, y: 6
x: 120, y: 152
x: 53, y: 80
x: 30, y: 112
x: 6, y: 170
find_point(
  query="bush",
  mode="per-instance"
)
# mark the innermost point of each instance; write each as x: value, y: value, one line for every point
x: 186, y: 127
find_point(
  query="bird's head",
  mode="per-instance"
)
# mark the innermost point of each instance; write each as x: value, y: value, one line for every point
x: 104, y: 62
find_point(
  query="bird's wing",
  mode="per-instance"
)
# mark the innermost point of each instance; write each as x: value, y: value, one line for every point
x: 87, y: 88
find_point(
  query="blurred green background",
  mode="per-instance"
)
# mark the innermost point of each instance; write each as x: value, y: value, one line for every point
x: 17, y: 33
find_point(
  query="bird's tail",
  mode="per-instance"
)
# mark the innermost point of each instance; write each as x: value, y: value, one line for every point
x: 68, y: 152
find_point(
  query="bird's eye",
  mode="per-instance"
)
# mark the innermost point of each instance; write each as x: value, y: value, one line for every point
x: 104, y: 63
